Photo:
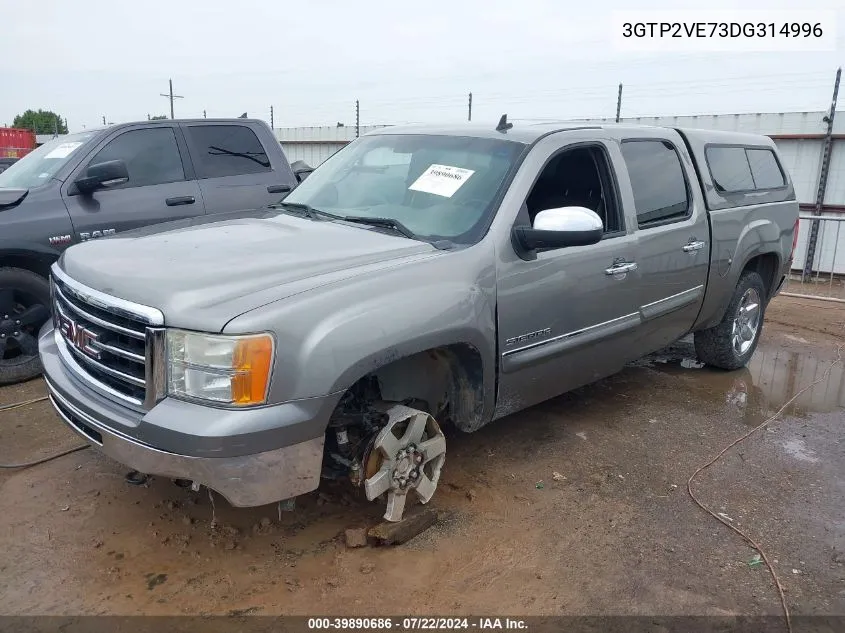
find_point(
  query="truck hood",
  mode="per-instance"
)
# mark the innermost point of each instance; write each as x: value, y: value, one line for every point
x: 203, y: 272
x: 11, y: 197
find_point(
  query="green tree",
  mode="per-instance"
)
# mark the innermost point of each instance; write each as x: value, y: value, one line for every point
x: 43, y: 122
x: 158, y: 117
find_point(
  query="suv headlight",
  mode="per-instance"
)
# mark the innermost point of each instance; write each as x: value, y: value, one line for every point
x: 219, y: 368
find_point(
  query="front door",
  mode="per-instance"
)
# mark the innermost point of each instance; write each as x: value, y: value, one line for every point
x: 159, y: 188
x: 568, y: 316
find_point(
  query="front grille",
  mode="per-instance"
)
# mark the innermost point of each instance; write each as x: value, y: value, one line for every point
x: 106, y: 339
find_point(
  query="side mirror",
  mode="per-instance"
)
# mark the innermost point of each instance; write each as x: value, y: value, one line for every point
x: 558, y: 228
x: 302, y: 174
x: 301, y: 170
x: 108, y: 174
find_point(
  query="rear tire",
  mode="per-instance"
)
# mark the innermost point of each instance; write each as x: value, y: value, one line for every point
x: 731, y: 344
x: 24, y: 308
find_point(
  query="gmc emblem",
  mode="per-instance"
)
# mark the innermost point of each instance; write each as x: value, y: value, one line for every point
x: 78, y: 336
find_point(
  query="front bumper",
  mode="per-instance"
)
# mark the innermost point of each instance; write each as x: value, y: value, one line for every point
x: 187, y: 440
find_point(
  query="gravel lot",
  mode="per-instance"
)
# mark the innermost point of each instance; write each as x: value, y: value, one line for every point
x: 576, y: 506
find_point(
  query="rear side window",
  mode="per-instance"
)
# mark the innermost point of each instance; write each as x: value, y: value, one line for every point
x: 227, y: 150
x: 765, y: 169
x: 657, y: 178
x: 735, y: 169
x: 151, y: 156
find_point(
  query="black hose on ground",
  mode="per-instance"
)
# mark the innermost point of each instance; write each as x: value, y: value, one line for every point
x: 16, y: 405
x: 45, y: 459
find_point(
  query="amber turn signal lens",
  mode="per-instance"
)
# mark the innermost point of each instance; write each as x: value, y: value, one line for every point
x: 251, y: 364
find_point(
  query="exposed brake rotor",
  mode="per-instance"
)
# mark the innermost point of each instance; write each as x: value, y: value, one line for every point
x: 406, y: 455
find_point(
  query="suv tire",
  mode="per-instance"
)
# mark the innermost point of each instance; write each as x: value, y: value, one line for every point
x: 731, y: 344
x: 24, y: 308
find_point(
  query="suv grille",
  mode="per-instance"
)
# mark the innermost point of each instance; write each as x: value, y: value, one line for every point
x: 110, y: 342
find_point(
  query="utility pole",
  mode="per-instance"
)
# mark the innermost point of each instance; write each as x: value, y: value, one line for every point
x: 824, y: 170
x: 272, y: 127
x: 619, y: 103
x: 469, y: 111
x: 171, y: 96
x: 357, y: 118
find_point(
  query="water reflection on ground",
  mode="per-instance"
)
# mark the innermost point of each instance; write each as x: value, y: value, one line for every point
x: 772, y: 377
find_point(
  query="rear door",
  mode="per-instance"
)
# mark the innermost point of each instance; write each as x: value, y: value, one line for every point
x: 673, y: 235
x: 160, y: 186
x: 234, y: 169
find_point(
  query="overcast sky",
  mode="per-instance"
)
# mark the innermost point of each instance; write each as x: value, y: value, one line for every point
x: 406, y: 60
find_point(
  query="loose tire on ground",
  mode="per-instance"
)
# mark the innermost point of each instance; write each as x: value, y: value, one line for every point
x: 24, y: 308
x: 731, y: 344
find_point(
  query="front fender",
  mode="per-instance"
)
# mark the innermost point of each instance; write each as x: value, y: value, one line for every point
x: 330, y: 337
x: 27, y: 254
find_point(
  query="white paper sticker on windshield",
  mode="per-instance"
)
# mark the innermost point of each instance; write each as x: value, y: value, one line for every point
x: 442, y: 180
x: 63, y: 151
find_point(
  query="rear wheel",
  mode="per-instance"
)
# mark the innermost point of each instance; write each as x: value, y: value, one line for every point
x: 24, y: 308
x: 731, y: 344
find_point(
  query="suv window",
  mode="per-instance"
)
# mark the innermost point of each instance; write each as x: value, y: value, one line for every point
x: 729, y: 168
x: 765, y: 169
x: 227, y: 150
x: 151, y: 156
x: 577, y: 178
x: 658, y: 181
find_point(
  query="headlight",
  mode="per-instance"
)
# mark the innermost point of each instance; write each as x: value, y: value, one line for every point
x: 225, y: 369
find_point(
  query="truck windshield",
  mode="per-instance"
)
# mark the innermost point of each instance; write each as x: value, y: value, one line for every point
x: 438, y: 187
x: 41, y: 164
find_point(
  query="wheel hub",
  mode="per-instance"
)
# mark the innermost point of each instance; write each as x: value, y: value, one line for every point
x: 747, y: 321
x: 407, y: 471
x: 19, y: 324
x: 410, y: 451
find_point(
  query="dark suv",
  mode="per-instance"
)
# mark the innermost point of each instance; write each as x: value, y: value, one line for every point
x: 100, y: 182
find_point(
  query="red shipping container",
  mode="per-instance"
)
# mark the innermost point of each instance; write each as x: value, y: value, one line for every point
x: 15, y: 142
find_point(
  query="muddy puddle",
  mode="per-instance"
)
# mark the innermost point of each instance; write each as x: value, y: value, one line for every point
x: 772, y: 377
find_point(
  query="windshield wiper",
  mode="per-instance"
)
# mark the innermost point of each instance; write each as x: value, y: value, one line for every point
x: 387, y: 223
x: 307, y: 210
x: 227, y: 152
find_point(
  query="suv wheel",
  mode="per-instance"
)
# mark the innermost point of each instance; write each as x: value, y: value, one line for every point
x: 731, y: 344
x: 24, y: 308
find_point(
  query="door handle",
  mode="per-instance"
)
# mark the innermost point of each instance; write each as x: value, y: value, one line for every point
x: 175, y: 202
x: 621, y: 268
x: 693, y: 246
x: 278, y: 188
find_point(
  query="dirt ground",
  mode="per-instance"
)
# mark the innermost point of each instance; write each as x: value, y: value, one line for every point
x: 613, y: 532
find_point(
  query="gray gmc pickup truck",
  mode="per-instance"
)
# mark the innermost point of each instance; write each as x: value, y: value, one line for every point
x: 420, y: 277
x: 103, y: 181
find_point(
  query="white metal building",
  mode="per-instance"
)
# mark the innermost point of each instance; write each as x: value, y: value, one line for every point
x: 315, y: 144
x: 798, y: 135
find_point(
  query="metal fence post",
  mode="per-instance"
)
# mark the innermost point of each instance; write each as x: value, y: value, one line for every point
x: 824, y: 170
